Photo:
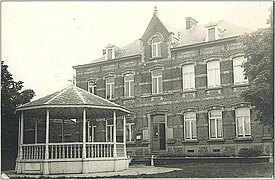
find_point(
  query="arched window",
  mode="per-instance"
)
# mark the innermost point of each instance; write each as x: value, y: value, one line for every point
x: 156, y: 46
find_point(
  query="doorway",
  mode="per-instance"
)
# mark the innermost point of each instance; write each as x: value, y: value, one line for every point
x: 158, y: 133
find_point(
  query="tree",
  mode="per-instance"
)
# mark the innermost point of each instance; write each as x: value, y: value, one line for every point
x: 259, y: 70
x: 11, y: 97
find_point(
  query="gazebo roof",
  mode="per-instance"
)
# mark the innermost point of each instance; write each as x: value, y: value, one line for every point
x: 73, y: 97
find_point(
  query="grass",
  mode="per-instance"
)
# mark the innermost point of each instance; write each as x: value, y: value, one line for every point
x: 214, y: 170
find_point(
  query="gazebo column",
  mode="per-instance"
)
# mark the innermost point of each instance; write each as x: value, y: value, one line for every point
x: 18, y: 167
x: 46, y: 165
x: 124, y: 135
x: 35, y: 131
x: 114, y: 137
x: 84, y: 165
x: 84, y: 134
x: 21, y: 135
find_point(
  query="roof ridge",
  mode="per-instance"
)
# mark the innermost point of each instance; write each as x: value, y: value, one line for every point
x: 62, y: 91
x: 77, y: 92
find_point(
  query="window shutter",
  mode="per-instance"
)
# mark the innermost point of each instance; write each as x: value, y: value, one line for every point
x: 170, y: 133
x: 145, y: 134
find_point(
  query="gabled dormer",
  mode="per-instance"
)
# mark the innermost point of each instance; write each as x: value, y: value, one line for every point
x: 111, y: 51
x: 156, y: 38
x: 214, y: 31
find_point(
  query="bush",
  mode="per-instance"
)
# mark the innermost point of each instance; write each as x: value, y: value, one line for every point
x: 250, y: 152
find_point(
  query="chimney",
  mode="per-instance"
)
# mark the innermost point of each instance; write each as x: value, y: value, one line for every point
x: 155, y: 11
x: 190, y: 22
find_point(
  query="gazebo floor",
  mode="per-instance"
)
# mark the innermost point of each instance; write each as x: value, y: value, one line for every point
x: 72, y: 166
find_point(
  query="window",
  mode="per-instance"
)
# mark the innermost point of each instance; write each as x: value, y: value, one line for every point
x: 213, y: 74
x: 190, y: 128
x: 243, y: 122
x: 156, y: 46
x: 157, y: 81
x: 92, y: 129
x: 239, y: 70
x: 211, y: 34
x: 129, y: 132
x: 110, y: 83
x: 129, y: 85
x: 109, y: 131
x: 215, y: 124
x: 188, y: 77
x: 110, y: 54
x: 92, y: 86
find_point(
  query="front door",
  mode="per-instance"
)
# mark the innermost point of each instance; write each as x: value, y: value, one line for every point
x: 158, y: 133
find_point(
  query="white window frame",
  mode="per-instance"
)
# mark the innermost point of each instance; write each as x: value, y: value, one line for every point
x: 130, y: 83
x: 91, y: 86
x: 157, y: 46
x: 129, y: 127
x: 190, y: 74
x: 110, y: 85
x: 216, y: 72
x: 208, y: 32
x: 110, y: 128
x: 158, y: 82
x: 216, y: 119
x: 107, y: 53
x: 244, y: 134
x: 239, y: 77
x: 191, y: 130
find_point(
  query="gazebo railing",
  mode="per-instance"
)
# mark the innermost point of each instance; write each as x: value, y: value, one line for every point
x: 99, y: 149
x: 33, y: 151
x: 72, y: 150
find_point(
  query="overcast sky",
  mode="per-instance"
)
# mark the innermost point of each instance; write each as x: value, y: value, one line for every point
x: 41, y: 41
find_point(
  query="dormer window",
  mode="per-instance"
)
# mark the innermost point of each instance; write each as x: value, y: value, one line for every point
x: 110, y: 53
x: 211, y: 34
x: 156, y: 46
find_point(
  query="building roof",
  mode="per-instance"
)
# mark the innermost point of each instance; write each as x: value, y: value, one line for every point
x: 194, y: 35
x: 73, y: 97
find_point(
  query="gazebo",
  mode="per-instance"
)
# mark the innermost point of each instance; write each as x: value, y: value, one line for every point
x: 84, y: 156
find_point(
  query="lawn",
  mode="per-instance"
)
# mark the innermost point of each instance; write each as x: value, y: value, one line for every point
x: 214, y: 170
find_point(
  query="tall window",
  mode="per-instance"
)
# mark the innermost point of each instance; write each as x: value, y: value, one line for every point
x: 92, y: 86
x: 215, y: 124
x: 188, y: 77
x: 156, y: 46
x: 110, y: 83
x: 129, y: 131
x: 239, y: 70
x: 211, y: 34
x: 157, y: 81
x: 190, y: 128
x: 243, y: 122
x: 109, y: 131
x: 213, y: 74
x: 129, y: 85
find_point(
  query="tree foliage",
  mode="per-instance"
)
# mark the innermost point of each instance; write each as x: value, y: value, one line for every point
x: 12, y: 96
x: 259, y: 71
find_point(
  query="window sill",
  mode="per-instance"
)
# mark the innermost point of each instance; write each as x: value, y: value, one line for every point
x: 189, y: 91
x: 157, y: 94
x: 127, y: 98
x: 156, y: 57
x: 240, y: 85
x: 215, y: 140
x: 213, y: 88
x: 243, y: 139
x: 190, y: 141
x: 112, y: 99
x: 145, y: 142
x: 130, y: 142
x: 170, y: 141
x: 267, y: 138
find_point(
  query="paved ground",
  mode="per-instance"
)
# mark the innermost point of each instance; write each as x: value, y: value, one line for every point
x: 132, y: 171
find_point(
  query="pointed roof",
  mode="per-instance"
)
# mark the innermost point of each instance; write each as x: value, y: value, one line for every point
x: 72, y: 97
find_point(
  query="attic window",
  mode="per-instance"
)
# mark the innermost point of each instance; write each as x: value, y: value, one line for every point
x: 110, y: 53
x: 156, y: 46
x: 211, y: 34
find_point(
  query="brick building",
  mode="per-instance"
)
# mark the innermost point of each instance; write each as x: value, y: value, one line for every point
x: 183, y: 89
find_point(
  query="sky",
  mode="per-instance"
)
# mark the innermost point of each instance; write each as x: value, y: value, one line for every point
x: 41, y: 41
